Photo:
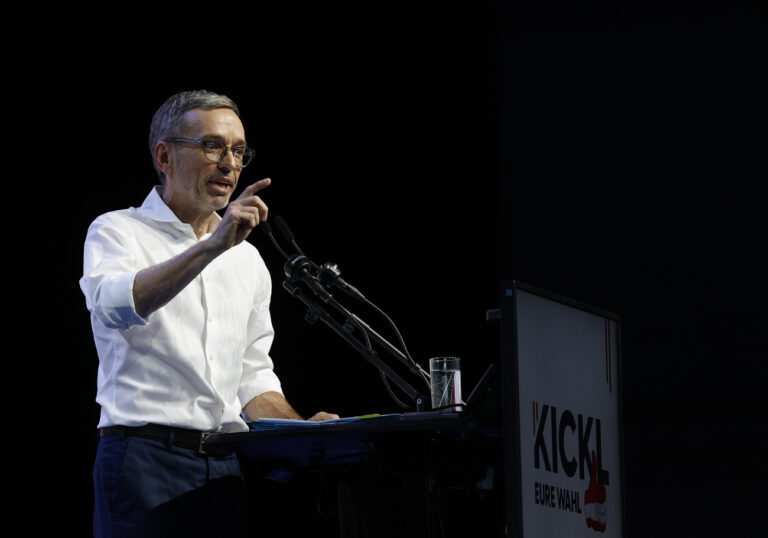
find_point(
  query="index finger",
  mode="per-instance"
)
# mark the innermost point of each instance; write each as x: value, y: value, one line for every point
x: 253, y: 188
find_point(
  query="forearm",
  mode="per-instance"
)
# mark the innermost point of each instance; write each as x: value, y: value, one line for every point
x: 154, y: 286
x: 270, y: 405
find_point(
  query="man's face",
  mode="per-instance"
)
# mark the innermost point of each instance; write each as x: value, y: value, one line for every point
x: 195, y: 185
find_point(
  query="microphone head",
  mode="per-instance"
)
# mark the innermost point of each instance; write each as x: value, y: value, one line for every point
x: 283, y: 227
x: 329, y: 274
x: 266, y: 227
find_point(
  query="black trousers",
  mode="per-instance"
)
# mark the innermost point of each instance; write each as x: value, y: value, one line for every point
x: 146, y: 488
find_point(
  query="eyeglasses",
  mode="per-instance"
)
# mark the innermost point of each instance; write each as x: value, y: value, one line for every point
x: 215, y: 150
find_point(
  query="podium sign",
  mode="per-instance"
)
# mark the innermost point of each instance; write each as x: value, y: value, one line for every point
x: 562, y: 416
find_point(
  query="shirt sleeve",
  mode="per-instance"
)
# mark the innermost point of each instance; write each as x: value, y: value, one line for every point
x: 258, y: 374
x: 109, y: 269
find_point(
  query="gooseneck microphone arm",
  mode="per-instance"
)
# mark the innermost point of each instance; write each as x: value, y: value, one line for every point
x: 264, y: 225
x: 302, y: 274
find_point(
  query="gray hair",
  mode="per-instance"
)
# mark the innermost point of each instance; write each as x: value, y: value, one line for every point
x: 167, y: 121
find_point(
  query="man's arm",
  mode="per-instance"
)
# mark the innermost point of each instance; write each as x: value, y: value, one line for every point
x: 274, y: 405
x: 154, y: 286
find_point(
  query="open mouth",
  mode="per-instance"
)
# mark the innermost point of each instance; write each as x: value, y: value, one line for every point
x: 221, y: 185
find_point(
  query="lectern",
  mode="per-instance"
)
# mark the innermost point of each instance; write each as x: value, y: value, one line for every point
x: 537, y: 450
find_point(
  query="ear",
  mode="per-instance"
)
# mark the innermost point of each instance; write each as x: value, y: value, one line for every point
x: 164, y: 157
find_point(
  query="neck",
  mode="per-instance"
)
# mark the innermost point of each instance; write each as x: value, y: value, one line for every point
x: 203, y: 221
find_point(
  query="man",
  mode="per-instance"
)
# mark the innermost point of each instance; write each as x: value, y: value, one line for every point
x: 179, y: 307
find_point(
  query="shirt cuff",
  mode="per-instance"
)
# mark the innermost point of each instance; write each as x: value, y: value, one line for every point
x: 257, y: 387
x: 117, y: 307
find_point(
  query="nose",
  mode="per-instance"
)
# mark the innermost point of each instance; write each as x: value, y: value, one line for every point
x: 228, y: 161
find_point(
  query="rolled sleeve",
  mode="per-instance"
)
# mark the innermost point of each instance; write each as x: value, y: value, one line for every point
x: 258, y: 374
x: 257, y: 384
x: 108, y: 276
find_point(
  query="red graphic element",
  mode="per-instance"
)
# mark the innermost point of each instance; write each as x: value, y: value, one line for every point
x: 595, y: 502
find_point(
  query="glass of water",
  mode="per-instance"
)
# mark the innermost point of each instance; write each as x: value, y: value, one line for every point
x: 445, y: 373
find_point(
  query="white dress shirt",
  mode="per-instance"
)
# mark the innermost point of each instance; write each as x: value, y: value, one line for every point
x: 195, y: 362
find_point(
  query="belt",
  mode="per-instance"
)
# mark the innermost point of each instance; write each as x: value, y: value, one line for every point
x: 180, y: 437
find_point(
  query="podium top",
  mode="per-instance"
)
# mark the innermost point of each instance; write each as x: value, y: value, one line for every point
x: 350, y: 440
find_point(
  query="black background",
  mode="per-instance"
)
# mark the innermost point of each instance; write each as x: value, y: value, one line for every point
x: 612, y: 155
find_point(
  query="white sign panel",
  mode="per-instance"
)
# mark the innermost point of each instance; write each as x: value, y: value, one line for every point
x: 569, y: 420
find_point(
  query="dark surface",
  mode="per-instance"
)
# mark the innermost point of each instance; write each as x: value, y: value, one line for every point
x: 615, y: 156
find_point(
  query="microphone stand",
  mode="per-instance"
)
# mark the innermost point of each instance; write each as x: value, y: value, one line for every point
x: 300, y: 270
x: 315, y: 311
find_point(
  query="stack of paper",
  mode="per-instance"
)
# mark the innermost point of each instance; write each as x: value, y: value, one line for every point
x: 280, y: 423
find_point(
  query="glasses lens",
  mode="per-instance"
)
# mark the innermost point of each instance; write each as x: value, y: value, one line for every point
x: 214, y: 150
x: 246, y: 156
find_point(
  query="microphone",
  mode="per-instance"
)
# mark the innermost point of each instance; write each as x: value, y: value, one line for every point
x: 287, y: 234
x: 297, y: 267
x: 329, y: 275
x: 268, y: 230
x: 301, y: 268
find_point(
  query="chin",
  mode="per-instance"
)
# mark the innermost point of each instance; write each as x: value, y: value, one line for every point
x: 219, y: 202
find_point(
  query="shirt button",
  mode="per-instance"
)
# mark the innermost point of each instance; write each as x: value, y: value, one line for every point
x: 210, y: 357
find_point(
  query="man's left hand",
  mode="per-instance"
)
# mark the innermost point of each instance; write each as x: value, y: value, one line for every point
x: 322, y: 415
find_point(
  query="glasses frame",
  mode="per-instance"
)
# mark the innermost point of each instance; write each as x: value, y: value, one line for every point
x: 249, y: 151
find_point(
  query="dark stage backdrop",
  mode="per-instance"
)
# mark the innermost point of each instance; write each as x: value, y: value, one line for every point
x: 612, y: 156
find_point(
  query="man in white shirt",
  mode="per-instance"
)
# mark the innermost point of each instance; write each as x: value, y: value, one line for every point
x: 179, y: 307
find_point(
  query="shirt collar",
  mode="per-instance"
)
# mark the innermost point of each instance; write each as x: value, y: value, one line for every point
x: 155, y: 208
